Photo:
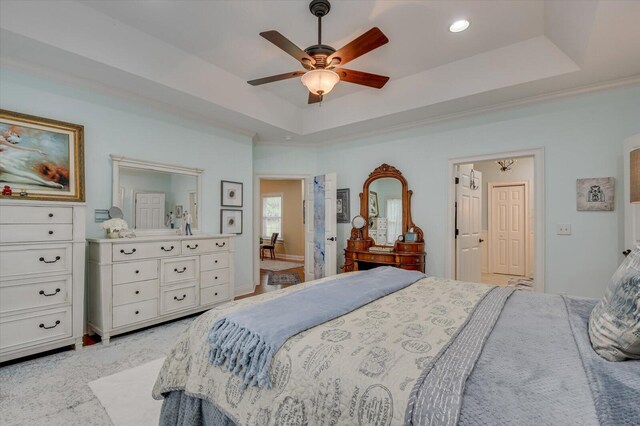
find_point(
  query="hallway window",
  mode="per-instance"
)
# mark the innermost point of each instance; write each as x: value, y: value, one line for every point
x: 271, y: 215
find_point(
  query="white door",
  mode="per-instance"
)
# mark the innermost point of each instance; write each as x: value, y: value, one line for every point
x: 320, y: 227
x: 631, y: 211
x: 468, y: 218
x: 507, y: 233
x: 149, y: 210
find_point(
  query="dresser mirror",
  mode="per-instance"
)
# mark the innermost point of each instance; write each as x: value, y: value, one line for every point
x: 155, y: 198
x: 385, y: 210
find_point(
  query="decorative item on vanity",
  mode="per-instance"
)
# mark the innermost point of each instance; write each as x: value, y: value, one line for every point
x: 230, y: 221
x: 370, y: 247
x: 151, y: 279
x: 505, y: 166
x: 343, y: 208
x: 186, y: 218
x: 42, y: 265
x: 231, y: 194
x: 114, y: 226
x: 6, y: 191
x: 44, y: 155
x: 595, y: 194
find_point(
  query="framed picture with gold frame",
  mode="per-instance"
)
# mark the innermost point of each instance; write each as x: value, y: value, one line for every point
x: 40, y: 158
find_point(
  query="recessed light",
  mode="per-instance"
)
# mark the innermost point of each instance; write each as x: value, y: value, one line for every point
x: 459, y: 26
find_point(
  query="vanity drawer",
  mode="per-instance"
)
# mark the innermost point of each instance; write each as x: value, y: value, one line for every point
x: 182, y: 269
x: 135, y: 292
x: 178, y: 298
x: 215, y: 277
x: 210, y: 245
x: 135, y: 271
x: 13, y: 233
x: 376, y: 257
x: 27, y: 214
x: 214, y: 261
x: 134, y: 312
x: 35, y: 328
x: 216, y: 294
x: 35, y: 293
x: 134, y: 251
x: 21, y: 261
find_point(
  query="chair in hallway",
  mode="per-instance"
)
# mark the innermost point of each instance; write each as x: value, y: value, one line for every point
x: 271, y: 247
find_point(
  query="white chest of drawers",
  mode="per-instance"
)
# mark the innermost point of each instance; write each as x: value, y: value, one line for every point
x: 138, y: 282
x: 42, y: 248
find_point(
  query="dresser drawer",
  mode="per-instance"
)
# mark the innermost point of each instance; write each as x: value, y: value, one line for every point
x: 207, y: 246
x: 215, y: 277
x: 30, y: 214
x: 35, y: 293
x: 214, y: 261
x: 22, y: 261
x: 135, y: 271
x: 178, y: 298
x: 35, y: 328
x: 134, y: 251
x: 380, y: 257
x: 134, y: 312
x: 13, y: 233
x: 182, y: 269
x: 216, y: 294
x: 135, y: 292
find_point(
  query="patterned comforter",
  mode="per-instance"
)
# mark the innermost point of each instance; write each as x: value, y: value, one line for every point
x: 361, y: 368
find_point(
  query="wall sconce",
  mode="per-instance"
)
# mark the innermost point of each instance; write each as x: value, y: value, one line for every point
x: 634, y: 185
x: 505, y: 165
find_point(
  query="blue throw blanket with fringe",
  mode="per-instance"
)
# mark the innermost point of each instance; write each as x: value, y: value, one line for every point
x: 248, y: 338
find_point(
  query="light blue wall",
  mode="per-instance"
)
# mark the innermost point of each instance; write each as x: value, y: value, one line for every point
x: 113, y: 126
x: 582, y: 137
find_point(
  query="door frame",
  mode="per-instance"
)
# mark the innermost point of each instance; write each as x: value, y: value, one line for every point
x: 257, y: 206
x: 539, y: 209
x: 527, y: 235
x: 628, y: 144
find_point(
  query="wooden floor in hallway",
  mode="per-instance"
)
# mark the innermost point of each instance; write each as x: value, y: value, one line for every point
x: 263, y: 287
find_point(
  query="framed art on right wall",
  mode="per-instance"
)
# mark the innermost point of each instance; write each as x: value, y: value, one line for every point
x: 595, y: 194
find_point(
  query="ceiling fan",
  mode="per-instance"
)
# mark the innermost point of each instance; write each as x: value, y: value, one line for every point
x: 324, y: 63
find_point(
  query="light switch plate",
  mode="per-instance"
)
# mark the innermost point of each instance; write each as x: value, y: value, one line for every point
x: 563, y: 229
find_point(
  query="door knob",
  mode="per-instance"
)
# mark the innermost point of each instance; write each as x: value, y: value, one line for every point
x: 331, y: 239
x: 626, y: 252
x: 481, y: 240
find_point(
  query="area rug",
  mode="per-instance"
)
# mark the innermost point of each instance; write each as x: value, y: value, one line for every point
x: 126, y: 396
x: 283, y: 279
x: 278, y: 265
x: 521, y: 283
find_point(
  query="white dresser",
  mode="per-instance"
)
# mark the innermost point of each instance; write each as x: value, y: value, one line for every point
x: 42, y: 248
x: 138, y: 282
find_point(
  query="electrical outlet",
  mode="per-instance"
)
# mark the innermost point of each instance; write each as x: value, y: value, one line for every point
x: 563, y: 229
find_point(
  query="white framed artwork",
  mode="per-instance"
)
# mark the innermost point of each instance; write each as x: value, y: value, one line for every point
x: 230, y: 221
x: 230, y: 194
x: 595, y: 194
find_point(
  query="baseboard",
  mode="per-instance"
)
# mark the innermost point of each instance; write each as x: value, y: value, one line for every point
x: 282, y: 256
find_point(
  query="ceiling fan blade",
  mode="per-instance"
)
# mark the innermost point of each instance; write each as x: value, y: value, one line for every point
x: 314, y: 99
x: 285, y: 44
x: 368, y: 41
x: 273, y: 78
x: 363, y: 78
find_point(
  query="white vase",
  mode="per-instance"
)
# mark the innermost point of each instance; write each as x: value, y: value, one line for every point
x: 113, y: 234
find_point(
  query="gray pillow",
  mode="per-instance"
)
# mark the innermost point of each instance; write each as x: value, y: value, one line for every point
x: 614, y: 324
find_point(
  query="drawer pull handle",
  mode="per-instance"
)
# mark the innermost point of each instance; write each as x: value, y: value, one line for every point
x: 137, y: 271
x: 127, y: 253
x: 184, y: 268
x: 192, y: 248
x: 221, y: 245
x: 215, y: 261
x: 216, y: 278
x: 53, y: 326
x: 137, y: 312
x: 179, y: 300
x: 49, y: 294
x: 50, y: 261
x: 137, y: 291
x: 50, y: 214
x: 215, y: 294
x: 164, y: 249
x: 50, y: 232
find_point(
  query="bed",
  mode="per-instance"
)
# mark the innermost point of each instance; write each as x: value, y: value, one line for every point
x: 438, y: 352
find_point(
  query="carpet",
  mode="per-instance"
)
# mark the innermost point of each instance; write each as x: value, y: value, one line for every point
x: 126, y: 396
x: 283, y: 279
x: 278, y: 265
x: 521, y: 283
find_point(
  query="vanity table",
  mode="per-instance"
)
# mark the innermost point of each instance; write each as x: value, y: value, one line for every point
x: 159, y: 274
x: 385, y: 206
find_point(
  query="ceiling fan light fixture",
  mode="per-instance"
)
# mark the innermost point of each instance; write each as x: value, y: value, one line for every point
x: 320, y: 81
x: 459, y: 26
